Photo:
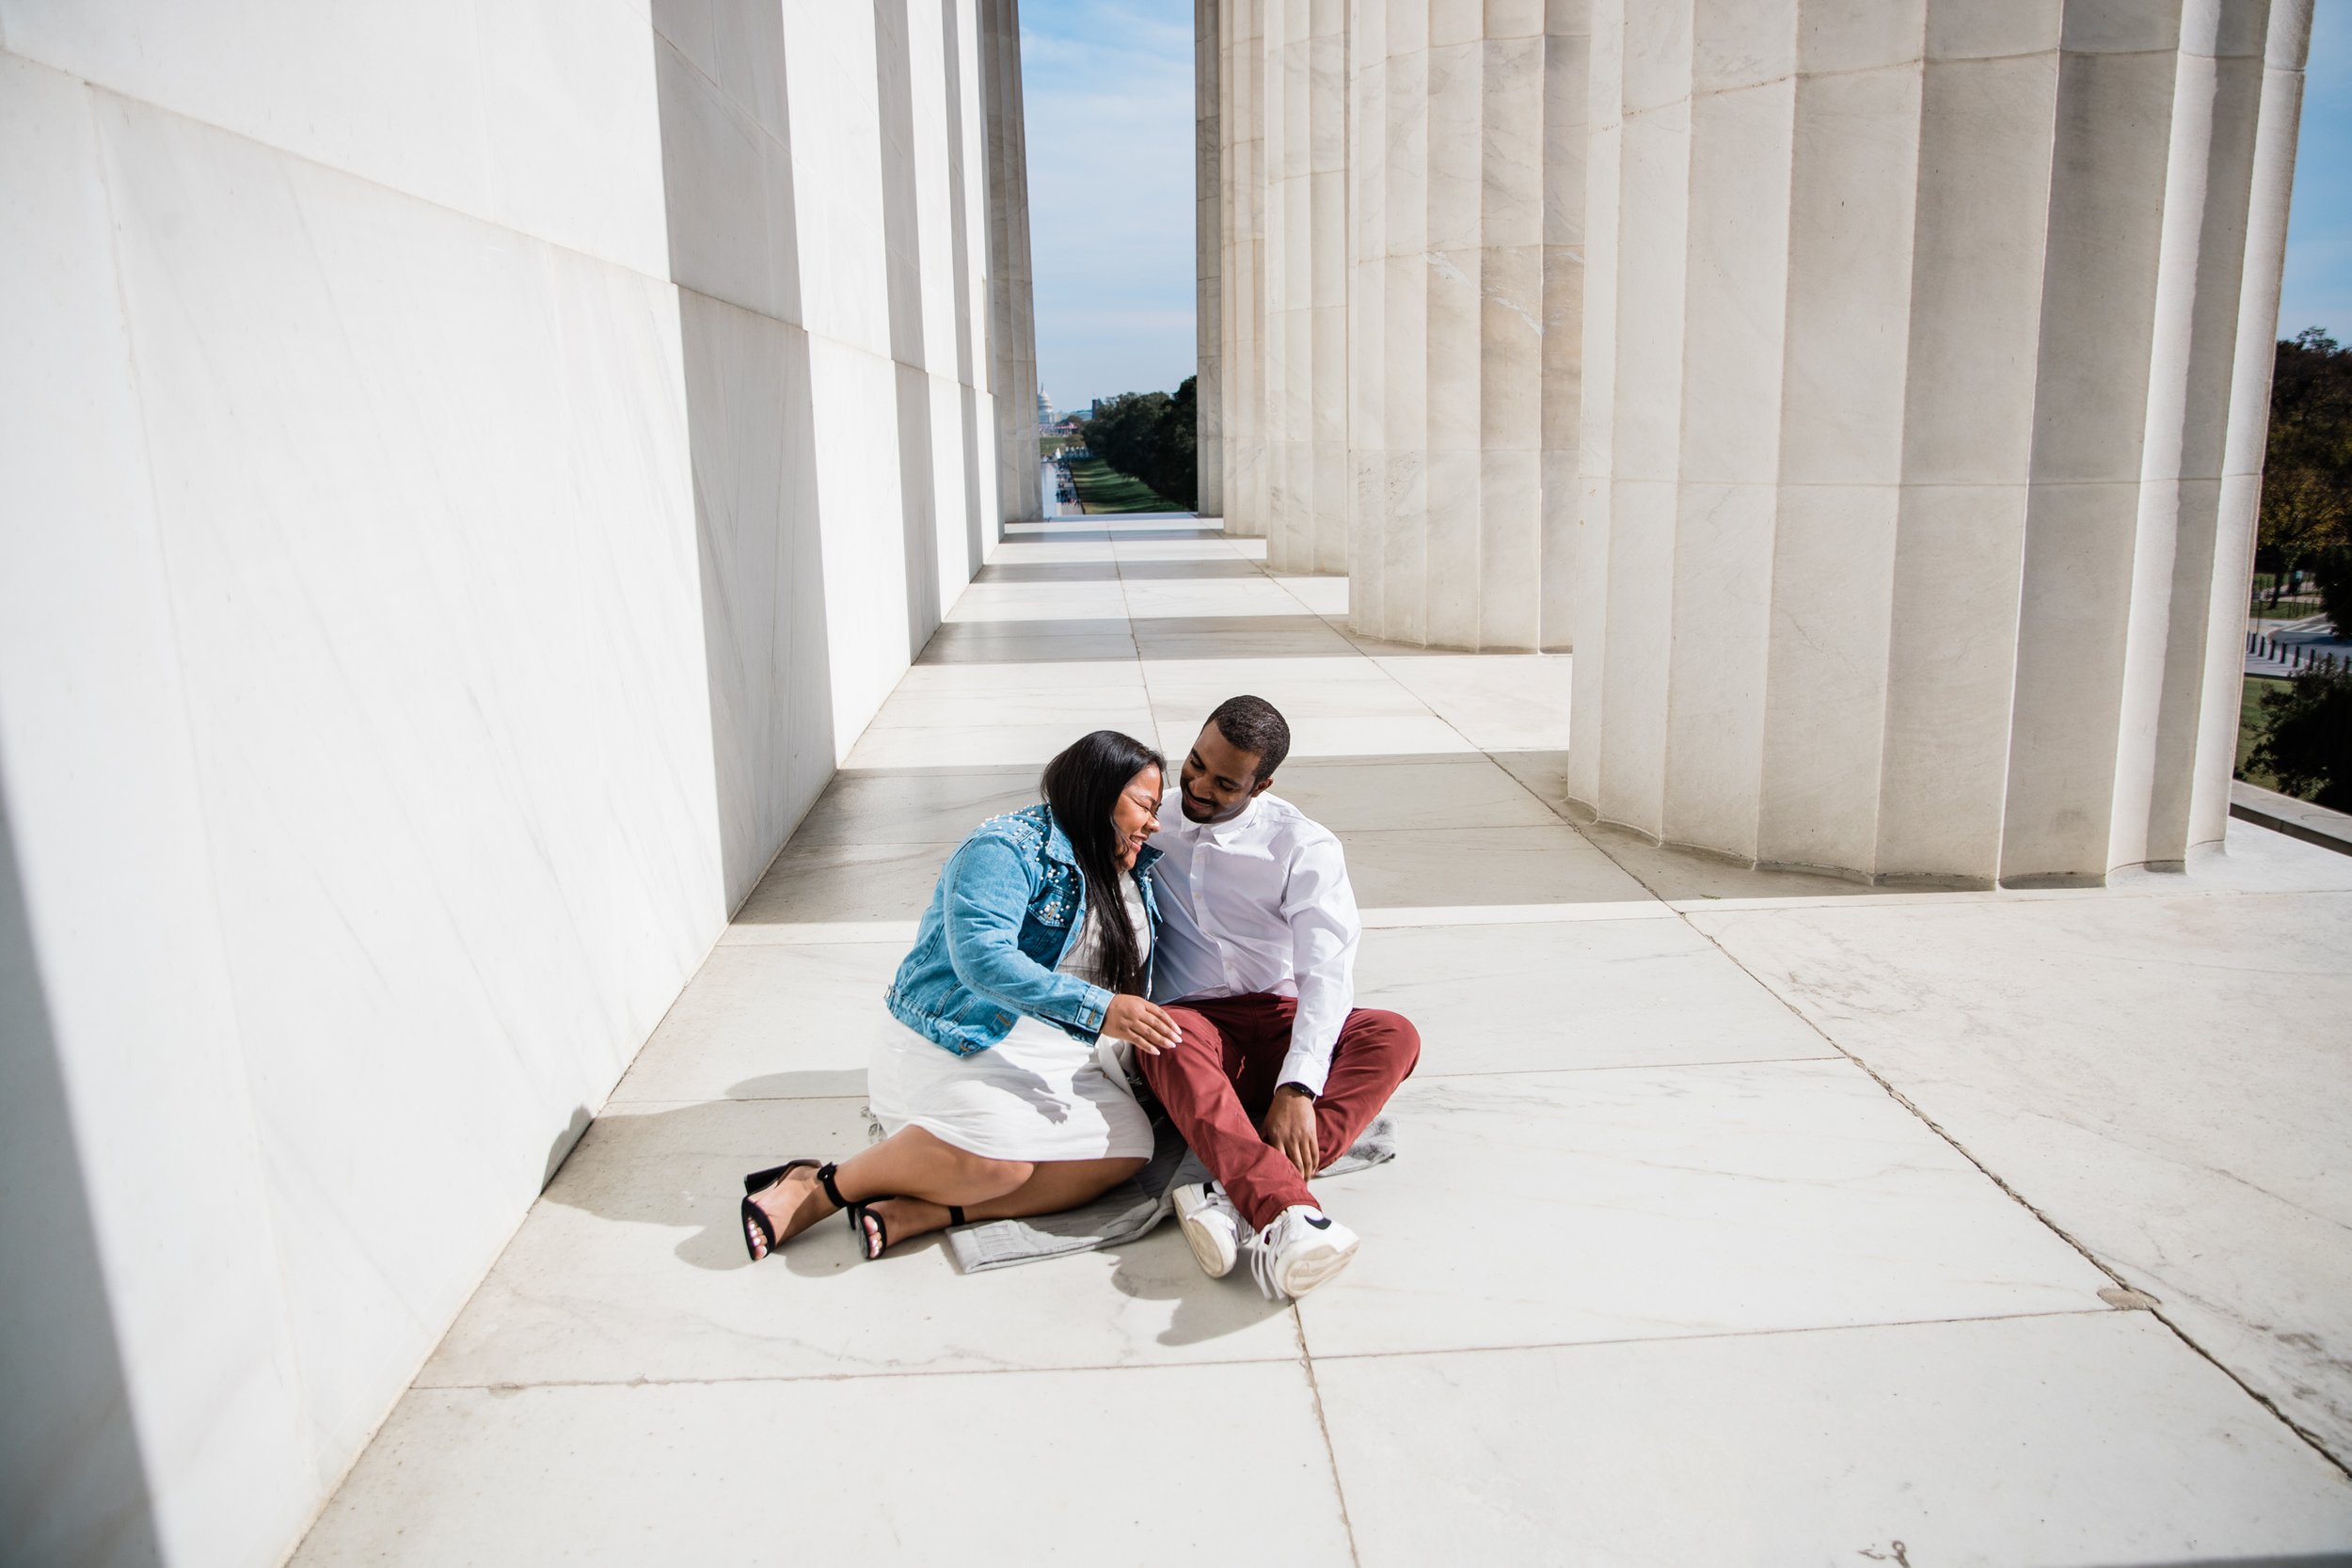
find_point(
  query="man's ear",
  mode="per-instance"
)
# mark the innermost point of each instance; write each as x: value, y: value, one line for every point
x: 1262, y: 787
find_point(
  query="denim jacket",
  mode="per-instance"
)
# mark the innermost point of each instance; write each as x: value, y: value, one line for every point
x: 1009, y: 902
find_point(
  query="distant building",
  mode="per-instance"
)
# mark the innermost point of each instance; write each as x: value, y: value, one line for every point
x: 1044, y: 409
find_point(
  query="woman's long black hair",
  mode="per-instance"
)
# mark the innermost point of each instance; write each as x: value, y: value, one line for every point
x: 1081, y: 786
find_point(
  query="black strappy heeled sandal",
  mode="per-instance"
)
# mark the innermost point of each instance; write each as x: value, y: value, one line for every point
x: 873, y: 1244
x: 760, y: 1180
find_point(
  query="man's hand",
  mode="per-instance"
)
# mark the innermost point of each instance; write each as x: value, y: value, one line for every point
x: 1289, y: 1127
x: 1147, y: 1028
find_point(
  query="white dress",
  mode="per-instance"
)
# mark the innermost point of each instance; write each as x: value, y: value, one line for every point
x: 1037, y: 1094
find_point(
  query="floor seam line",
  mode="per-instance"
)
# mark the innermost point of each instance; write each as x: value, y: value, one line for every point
x: 503, y: 1386
x: 1323, y: 1425
x: 1303, y: 1356
x: 2308, y: 1438
x: 1711, y: 1336
x: 1143, y: 666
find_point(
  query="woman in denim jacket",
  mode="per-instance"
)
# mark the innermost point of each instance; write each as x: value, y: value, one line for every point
x: 1002, y: 1091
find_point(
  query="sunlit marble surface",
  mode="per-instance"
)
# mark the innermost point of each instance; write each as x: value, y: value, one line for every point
x: 1664, y: 1273
x: 2166, y: 1078
x: 2059, y: 1441
x: 1166, y: 1467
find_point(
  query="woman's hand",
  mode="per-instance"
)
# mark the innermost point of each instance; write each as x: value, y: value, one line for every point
x: 1147, y: 1028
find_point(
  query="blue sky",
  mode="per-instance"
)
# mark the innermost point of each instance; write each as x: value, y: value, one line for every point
x: 1108, y: 88
x: 2318, y: 289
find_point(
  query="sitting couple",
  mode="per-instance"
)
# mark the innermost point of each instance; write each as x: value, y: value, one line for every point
x: 1032, y: 986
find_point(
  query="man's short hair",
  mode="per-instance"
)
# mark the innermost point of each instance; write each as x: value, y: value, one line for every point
x: 1254, y: 724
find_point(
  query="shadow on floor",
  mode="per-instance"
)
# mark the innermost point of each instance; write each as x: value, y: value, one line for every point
x: 1113, y: 571
x: 1206, y: 1308
x: 575, y: 1128
x: 1095, y: 535
x: 1102, y: 640
x: 639, y: 1177
x: 634, y: 1178
x: 1671, y: 874
x: 1440, y: 830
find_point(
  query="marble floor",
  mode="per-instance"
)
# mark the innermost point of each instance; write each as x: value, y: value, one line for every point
x: 1741, y: 1218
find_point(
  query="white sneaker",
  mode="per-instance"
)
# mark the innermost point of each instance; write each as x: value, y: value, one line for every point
x: 1302, y: 1248
x: 1211, y: 1225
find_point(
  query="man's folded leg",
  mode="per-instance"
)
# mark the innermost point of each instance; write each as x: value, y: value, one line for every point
x: 1377, y: 1052
x: 1195, y: 1081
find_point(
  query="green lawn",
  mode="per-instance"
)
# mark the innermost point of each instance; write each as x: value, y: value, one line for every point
x: 1100, y: 489
x: 2249, y: 720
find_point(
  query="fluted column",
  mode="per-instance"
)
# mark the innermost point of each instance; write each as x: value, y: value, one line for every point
x: 1305, y: 285
x: 1012, y: 312
x: 1927, y: 376
x: 1208, y: 256
x: 1466, y: 299
x: 1241, y: 281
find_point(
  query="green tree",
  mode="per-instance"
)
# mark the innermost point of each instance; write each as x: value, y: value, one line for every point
x: 1149, y: 437
x: 2306, y: 470
x: 2306, y: 740
x: 2334, y: 571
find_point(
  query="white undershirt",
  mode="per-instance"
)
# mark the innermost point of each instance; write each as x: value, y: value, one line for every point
x: 1085, y: 957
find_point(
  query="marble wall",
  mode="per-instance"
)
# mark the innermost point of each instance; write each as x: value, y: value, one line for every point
x: 470, y: 472
x: 1930, y: 365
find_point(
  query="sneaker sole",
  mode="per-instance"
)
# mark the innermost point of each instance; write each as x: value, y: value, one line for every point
x: 1312, y: 1266
x: 1206, y: 1251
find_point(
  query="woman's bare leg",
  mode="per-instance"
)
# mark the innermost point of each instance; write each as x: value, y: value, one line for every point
x: 910, y: 1162
x: 1053, y: 1186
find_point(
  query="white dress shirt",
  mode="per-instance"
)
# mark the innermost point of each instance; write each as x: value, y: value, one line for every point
x: 1260, y: 904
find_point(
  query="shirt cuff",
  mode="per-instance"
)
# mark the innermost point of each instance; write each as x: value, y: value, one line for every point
x: 1306, y: 1069
x: 1092, y: 1007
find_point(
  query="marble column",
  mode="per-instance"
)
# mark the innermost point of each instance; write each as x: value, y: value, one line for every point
x: 1928, y: 372
x: 1465, y: 196
x: 1012, y: 312
x: 1305, y: 354
x: 1241, y: 281
x: 1208, y: 257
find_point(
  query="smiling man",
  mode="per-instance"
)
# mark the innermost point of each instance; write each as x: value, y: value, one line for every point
x: 1278, y: 1072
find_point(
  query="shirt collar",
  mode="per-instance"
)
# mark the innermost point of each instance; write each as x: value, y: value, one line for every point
x: 1226, y: 831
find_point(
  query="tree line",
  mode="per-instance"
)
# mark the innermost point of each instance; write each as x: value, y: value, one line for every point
x: 2305, y: 733
x: 1149, y: 437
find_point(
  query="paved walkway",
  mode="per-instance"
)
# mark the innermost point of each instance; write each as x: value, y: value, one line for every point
x: 1742, y: 1219
x: 2280, y: 648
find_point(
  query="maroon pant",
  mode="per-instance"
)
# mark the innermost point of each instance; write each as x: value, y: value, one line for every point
x: 1218, y: 1082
